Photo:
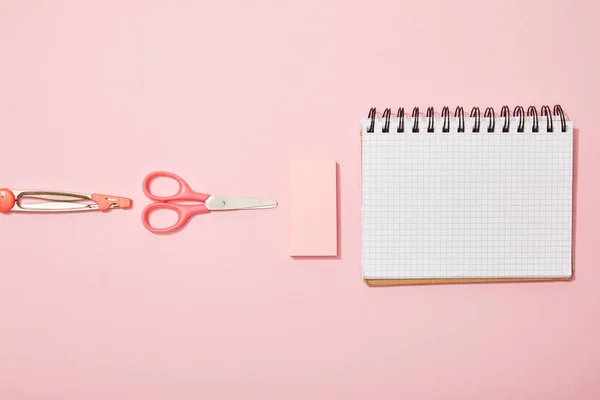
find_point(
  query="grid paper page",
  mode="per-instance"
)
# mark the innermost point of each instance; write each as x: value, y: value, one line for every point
x: 467, y: 205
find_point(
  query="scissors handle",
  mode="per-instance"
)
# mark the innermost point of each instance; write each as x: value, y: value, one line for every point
x: 184, y: 193
x: 184, y: 213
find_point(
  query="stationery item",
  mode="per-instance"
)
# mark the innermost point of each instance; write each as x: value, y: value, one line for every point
x: 186, y: 211
x: 451, y: 198
x: 313, y: 212
x: 57, y: 201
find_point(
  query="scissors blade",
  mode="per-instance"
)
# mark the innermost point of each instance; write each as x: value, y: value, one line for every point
x: 222, y: 203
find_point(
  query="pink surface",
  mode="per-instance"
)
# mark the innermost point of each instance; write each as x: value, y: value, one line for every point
x: 94, y: 95
x: 313, y: 208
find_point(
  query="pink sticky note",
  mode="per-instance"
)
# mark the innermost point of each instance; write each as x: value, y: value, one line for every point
x: 313, y: 208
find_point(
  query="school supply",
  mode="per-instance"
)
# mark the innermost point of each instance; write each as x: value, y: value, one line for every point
x: 451, y: 198
x: 185, y: 193
x: 57, y: 201
x: 313, y: 208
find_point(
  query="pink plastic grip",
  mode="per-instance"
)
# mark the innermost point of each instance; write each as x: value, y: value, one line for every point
x: 185, y: 192
x: 184, y: 213
x: 106, y: 201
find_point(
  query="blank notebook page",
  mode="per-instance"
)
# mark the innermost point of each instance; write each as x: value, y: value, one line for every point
x: 467, y: 205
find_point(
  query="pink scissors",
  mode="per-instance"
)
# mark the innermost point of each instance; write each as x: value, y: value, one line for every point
x: 186, y: 211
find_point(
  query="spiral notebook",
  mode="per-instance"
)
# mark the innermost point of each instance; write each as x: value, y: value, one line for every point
x: 454, y: 198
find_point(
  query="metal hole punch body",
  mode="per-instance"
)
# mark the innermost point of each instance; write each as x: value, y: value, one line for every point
x: 57, y: 201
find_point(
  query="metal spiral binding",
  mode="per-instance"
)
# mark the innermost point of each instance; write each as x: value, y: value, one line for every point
x: 430, y: 117
x: 563, y: 121
x: 532, y: 112
x: 400, y: 115
x: 446, y: 116
x: 505, y: 112
x: 372, y: 115
x: 546, y: 113
x: 489, y: 113
x: 475, y: 114
x: 386, y: 117
x: 460, y: 113
x: 520, y: 112
x: 415, y: 115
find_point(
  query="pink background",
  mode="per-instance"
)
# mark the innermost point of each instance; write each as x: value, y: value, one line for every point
x: 94, y: 95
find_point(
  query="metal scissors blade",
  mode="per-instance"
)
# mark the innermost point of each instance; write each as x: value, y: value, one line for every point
x: 223, y: 203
